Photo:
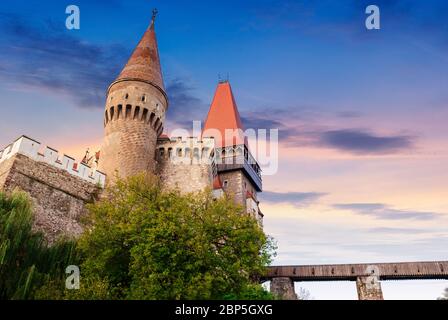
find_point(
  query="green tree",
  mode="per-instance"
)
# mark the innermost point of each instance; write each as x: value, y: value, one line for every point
x: 143, y: 243
x: 25, y: 260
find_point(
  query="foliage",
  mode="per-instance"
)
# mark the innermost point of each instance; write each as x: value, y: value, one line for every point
x: 143, y: 243
x: 25, y: 260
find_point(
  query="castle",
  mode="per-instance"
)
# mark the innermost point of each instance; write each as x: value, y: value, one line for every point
x: 135, y: 108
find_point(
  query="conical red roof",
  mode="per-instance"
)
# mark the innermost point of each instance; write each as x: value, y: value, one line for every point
x: 144, y: 63
x: 223, y: 117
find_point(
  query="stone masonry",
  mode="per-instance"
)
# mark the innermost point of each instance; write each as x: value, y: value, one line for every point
x: 369, y: 288
x: 58, y: 197
x: 283, y: 288
x: 186, y: 164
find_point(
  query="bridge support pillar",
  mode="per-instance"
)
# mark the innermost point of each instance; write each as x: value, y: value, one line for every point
x: 283, y: 287
x: 369, y: 288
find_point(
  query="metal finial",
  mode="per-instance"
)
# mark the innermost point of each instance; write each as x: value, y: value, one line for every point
x: 154, y: 14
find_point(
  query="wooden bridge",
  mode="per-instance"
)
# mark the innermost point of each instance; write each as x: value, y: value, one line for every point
x: 367, y: 276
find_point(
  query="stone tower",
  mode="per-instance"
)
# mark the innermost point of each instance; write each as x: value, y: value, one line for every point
x: 238, y: 172
x: 136, y: 103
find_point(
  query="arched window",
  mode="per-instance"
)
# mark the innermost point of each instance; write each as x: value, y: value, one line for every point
x: 151, y: 118
x: 119, y: 111
x: 136, y: 112
x: 156, y: 123
x: 128, y: 111
x: 196, y: 153
x: 170, y: 152
x: 187, y: 152
x: 145, y: 114
x: 111, y: 113
x: 204, y: 152
x: 126, y: 96
x: 161, y: 152
x: 179, y: 152
x: 106, y: 117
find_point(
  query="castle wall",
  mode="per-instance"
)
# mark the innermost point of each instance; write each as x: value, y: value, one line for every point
x: 232, y: 184
x: 187, y: 165
x: 58, y: 197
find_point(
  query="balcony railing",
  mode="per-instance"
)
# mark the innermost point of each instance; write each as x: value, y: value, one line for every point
x: 239, y: 157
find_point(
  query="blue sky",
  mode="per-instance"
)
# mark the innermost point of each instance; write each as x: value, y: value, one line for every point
x: 362, y: 114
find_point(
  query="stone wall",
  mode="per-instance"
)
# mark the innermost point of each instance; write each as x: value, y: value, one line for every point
x: 232, y: 184
x: 58, y: 197
x: 186, y: 164
x: 369, y: 288
x: 283, y: 288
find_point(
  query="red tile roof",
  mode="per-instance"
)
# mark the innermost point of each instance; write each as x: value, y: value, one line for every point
x: 223, y: 115
x: 144, y: 63
x: 217, y: 183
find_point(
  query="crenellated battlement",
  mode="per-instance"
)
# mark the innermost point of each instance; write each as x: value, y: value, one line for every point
x: 186, y: 163
x: 190, y: 150
x: 33, y: 149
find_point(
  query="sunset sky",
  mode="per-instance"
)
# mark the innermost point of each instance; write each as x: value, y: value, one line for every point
x: 362, y: 115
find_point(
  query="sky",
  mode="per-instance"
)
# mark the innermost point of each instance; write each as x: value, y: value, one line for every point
x: 362, y: 114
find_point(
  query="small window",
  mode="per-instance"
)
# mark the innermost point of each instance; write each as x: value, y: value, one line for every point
x: 179, y: 152
x: 225, y: 183
x: 119, y: 112
x: 128, y: 111
x: 145, y: 114
x: 196, y: 153
x: 136, y: 112
x: 126, y: 96
x: 156, y: 124
x: 144, y: 98
x: 170, y: 152
x: 151, y: 117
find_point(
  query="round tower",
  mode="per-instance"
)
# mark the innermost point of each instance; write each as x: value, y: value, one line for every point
x: 136, y: 103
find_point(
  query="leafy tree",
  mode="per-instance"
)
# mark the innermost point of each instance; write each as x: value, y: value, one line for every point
x: 25, y: 260
x: 143, y: 243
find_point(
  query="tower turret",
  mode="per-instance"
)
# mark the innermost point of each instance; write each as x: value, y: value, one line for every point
x: 238, y: 170
x: 136, y: 103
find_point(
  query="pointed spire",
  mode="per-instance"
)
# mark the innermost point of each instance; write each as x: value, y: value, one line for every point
x: 153, y: 19
x: 144, y: 63
x: 223, y: 115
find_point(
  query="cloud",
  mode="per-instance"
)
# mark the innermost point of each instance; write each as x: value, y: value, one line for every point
x: 382, y: 211
x: 253, y: 121
x: 358, y: 141
x: 306, y: 132
x: 46, y: 56
x: 388, y: 230
x: 298, y: 199
x: 184, y: 105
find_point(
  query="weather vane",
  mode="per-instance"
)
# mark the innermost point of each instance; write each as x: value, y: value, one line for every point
x: 154, y: 14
